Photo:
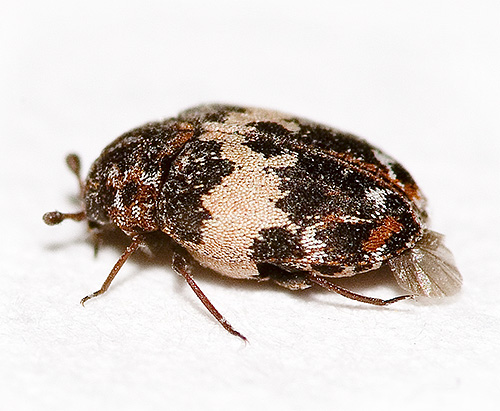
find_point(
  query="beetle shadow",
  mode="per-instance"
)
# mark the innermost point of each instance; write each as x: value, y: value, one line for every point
x: 379, y: 280
x: 160, y: 249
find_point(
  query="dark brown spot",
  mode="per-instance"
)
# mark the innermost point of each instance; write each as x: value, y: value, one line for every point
x: 276, y: 244
x: 197, y: 170
x: 328, y: 270
x: 129, y: 192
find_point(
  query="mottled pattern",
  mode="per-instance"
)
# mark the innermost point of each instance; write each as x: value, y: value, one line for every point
x: 234, y: 208
x: 199, y: 168
x: 123, y: 184
x: 243, y: 189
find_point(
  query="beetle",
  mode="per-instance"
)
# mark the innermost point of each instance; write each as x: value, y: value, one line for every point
x: 257, y: 194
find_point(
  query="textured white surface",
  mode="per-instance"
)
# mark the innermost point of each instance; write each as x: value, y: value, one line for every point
x: 418, y: 79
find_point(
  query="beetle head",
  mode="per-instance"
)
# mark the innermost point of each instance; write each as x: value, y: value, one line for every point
x: 124, y: 183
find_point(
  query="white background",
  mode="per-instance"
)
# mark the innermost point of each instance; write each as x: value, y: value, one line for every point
x: 418, y: 79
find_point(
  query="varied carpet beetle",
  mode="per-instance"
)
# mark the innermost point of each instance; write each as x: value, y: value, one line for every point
x: 257, y: 194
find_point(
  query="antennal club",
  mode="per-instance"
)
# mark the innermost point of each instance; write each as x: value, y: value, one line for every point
x: 73, y: 162
x: 56, y: 217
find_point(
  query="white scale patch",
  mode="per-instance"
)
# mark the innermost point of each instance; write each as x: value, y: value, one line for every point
x: 315, y: 248
x: 253, y: 115
x: 237, y: 122
x: 377, y: 196
x: 388, y: 161
x: 241, y: 206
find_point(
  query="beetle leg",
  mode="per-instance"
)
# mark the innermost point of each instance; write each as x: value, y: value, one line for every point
x: 181, y: 266
x: 136, y: 242
x: 313, y: 278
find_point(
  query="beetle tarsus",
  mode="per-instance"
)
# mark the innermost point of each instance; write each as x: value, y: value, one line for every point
x: 88, y: 297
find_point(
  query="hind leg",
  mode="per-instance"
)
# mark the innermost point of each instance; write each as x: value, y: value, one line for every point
x: 303, y: 279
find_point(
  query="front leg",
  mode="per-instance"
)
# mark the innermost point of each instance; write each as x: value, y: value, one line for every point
x: 137, y: 241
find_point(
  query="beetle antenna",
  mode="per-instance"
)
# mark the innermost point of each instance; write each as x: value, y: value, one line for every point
x: 74, y: 164
x: 56, y: 217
